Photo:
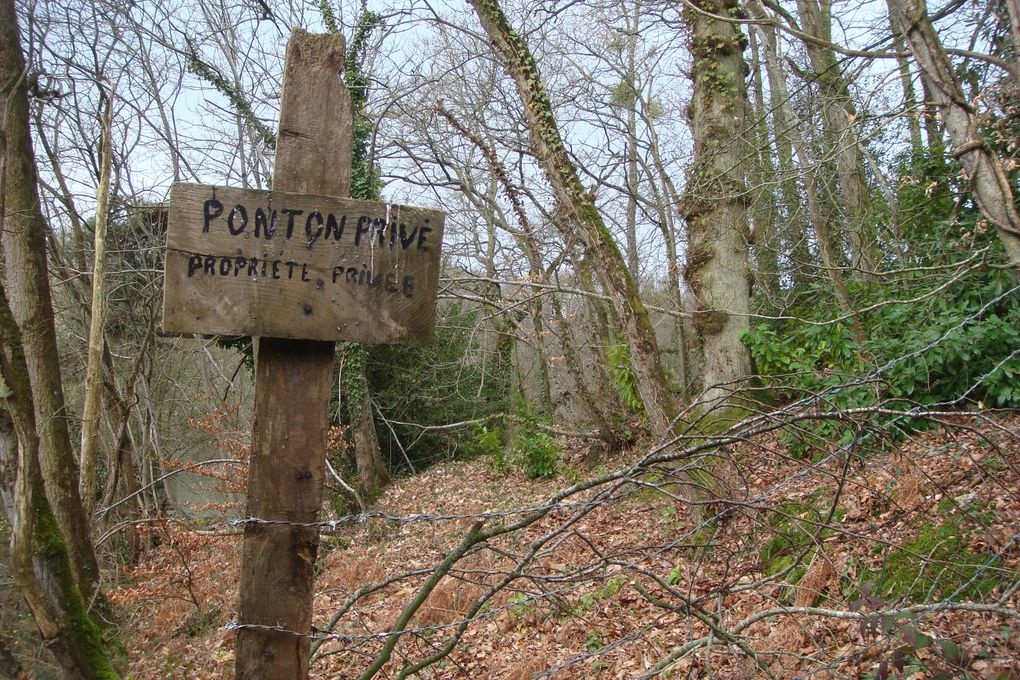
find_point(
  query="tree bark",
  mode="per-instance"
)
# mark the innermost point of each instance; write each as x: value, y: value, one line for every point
x: 372, y: 473
x: 988, y: 181
x: 631, y: 101
x: 593, y: 407
x: 97, y: 325
x: 1013, y: 9
x: 28, y: 288
x: 785, y: 125
x: 582, y: 216
x: 716, y: 198
x: 669, y: 205
x: 764, y: 242
x: 40, y: 562
x: 907, y: 84
x: 287, y: 465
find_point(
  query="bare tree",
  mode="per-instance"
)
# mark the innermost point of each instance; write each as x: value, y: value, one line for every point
x: 582, y: 216
x: 27, y: 282
x: 989, y: 183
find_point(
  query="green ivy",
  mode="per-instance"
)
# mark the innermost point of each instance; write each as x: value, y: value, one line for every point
x: 365, y: 182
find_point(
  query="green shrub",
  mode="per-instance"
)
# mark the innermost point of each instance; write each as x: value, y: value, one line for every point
x: 624, y: 382
x: 486, y: 441
x: 952, y: 348
x: 951, y: 344
x: 535, y: 453
x: 453, y: 379
x: 530, y: 450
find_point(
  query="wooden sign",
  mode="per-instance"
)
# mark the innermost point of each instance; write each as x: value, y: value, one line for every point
x: 276, y: 264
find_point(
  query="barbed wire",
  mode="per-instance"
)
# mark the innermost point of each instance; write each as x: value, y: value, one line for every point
x: 322, y: 635
x: 363, y: 517
x: 661, y: 468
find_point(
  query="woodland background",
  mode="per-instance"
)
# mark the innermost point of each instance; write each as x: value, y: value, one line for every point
x: 725, y: 373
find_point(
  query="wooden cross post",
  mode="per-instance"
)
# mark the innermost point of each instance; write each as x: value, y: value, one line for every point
x: 288, y: 443
x: 300, y: 268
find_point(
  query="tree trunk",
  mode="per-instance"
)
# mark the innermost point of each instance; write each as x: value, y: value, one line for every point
x: 28, y: 287
x: 715, y: 201
x: 1013, y: 9
x: 631, y: 102
x: 785, y: 125
x: 40, y: 562
x: 907, y: 84
x: 593, y: 407
x: 372, y: 473
x: 817, y: 215
x: 602, y: 329
x: 764, y: 241
x: 97, y: 325
x: 838, y: 116
x: 582, y: 215
x: 669, y: 208
x: 988, y: 181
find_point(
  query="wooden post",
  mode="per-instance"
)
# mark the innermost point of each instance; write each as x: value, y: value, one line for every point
x: 292, y: 389
x: 298, y: 267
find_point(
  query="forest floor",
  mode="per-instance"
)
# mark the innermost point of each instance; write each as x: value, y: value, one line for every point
x: 900, y: 564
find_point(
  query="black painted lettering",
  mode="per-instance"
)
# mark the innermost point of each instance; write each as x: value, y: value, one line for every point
x: 393, y: 234
x: 239, y: 210
x: 352, y: 275
x: 210, y: 211
x: 291, y: 213
x: 304, y: 273
x: 422, y: 235
x: 239, y: 263
x: 290, y: 268
x: 364, y: 226
x: 407, y: 239
x: 380, y: 229
x: 265, y: 223
x: 334, y: 227
x: 362, y: 275
x: 265, y: 264
x: 338, y: 271
x: 194, y: 264
x: 276, y: 269
x: 225, y: 266
x: 314, y: 216
x: 407, y: 286
x: 253, y: 266
x: 210, y: 265
x: 391, y: 282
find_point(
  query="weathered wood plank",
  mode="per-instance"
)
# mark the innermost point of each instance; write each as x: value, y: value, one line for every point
x: 292, y: 388
x: 285, y: 477
x: 300, y: 266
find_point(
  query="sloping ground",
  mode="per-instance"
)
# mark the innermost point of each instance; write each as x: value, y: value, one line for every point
x: 903, y: 562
